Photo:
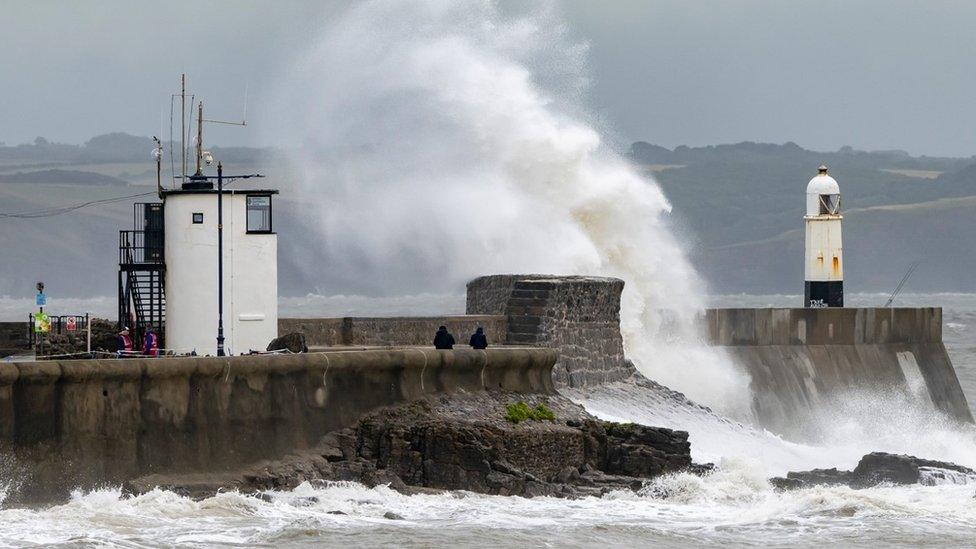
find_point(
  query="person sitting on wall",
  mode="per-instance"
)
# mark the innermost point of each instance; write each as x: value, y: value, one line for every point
x: 478, y: 339
x: 150, y: 345
x: 443, y: 339
x: 125, y: 343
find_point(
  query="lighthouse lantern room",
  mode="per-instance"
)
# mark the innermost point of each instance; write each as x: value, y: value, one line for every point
x: 824, y: 276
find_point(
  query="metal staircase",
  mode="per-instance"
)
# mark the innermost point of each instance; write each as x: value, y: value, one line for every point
x: 142, y: 272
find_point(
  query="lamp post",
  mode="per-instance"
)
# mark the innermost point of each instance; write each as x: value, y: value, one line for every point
x: 220, y: 259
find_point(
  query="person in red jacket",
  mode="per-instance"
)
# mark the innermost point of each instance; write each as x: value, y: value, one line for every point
x: 125, y: 343
x: 150, y: 345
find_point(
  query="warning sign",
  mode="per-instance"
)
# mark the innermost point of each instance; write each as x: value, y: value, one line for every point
x: 70, y: 323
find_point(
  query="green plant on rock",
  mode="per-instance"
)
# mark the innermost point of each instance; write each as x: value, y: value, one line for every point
x: 520, y: 411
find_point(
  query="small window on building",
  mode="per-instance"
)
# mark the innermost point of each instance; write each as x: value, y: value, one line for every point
x: 259, y: 214
x: 197, y: 218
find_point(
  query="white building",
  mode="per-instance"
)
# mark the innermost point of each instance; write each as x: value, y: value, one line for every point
x: 824, y: 273
x: 250, y: 269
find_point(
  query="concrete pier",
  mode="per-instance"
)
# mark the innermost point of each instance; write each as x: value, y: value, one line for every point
x: 800, y: 359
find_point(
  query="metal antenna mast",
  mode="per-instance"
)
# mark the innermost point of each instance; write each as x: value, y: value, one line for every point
x: 183, y: 125
x: 199, y: 171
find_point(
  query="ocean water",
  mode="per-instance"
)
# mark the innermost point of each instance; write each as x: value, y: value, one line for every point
x: 735, y: 506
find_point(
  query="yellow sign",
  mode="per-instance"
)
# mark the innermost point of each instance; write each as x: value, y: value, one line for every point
x: 42, y: 324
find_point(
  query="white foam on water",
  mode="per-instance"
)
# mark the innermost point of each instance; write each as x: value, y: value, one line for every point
x: 733, y: 505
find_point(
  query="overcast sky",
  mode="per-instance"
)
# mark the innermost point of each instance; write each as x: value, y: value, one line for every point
x: 871, y: 74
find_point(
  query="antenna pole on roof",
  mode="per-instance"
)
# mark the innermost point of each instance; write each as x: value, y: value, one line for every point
x: 199, y: 139
x: 183, y: 125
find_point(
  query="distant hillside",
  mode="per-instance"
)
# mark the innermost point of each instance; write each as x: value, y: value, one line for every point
x: 741, y: 206
x: 63, y: 177
x: 112, y: 147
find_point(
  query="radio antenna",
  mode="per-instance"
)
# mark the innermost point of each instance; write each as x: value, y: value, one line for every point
x: 183, y: 125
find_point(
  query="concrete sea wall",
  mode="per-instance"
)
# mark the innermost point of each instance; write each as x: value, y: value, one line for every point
x: 391, y: 331
x: 799, y: 359
x: 83, y: 423
x: 577, y: 315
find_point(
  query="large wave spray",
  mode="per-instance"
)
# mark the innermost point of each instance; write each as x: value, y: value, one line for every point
x: 443, y: 141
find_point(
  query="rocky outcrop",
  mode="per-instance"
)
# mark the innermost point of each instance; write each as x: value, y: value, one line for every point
x: 464, y: 443
x: 293, y: 342
x: 878, y: 468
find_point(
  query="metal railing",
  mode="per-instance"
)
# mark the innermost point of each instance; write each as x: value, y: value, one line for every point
x: 60, y: 324
x: 140, y: 247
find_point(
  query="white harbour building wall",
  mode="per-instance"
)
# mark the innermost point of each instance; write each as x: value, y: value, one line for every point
x: 250, y: 274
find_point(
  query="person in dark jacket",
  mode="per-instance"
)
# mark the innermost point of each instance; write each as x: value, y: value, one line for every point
x: 443, y: 339
x: 478, y: 339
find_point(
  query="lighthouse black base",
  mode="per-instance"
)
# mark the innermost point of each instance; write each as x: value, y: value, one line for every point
x: 819, y: 294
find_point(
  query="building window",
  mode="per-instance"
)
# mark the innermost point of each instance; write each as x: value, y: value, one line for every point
x: 259, y: 214
x: 197, y: 218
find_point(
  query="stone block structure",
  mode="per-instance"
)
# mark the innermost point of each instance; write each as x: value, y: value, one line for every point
x: 577, y: 315
x: 391, y: 331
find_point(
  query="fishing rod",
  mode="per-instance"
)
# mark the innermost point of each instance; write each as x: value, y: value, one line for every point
x: 904, y: 279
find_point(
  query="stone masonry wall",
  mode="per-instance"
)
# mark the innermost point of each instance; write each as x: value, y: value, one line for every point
x: 577, y: 315
x: 381, y: 331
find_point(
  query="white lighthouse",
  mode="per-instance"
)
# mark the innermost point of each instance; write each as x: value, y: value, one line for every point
x: 824, y: 276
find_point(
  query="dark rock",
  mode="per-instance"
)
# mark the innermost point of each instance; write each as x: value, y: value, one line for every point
x: 784, y: 483
x: 880, y: 467
x: 463, y: 442
x: 701, y: 469
x: 293, y: 342
x: 392, y: 516
x: 337, y: 513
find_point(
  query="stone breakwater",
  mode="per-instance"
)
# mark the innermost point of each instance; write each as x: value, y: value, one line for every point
x: 85, y: 423
x: 802, y: 361
x: 577, y: 315
x: 463, y: 442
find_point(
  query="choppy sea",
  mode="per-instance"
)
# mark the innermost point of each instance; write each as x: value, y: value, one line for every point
x: 735, y: 506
